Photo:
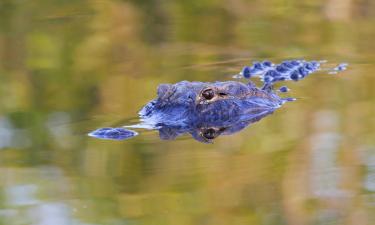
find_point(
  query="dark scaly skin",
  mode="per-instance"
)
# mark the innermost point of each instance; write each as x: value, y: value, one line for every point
x: 182, y: 108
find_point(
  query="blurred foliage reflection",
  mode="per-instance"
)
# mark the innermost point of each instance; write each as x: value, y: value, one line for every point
x: 67, y: 67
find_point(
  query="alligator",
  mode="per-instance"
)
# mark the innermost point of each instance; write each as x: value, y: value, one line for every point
x: 207, y: 110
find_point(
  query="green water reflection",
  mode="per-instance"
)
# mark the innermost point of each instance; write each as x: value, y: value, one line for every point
x: 68, y: 67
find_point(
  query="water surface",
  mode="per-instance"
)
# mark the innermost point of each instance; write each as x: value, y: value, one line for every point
x: 67, y: 68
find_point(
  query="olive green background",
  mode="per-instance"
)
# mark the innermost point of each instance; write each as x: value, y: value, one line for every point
x: 68, y: 67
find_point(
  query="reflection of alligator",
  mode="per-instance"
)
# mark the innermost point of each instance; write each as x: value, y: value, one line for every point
x: 207, y: 110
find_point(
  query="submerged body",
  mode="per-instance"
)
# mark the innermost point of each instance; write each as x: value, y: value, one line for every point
x: 207, y: 110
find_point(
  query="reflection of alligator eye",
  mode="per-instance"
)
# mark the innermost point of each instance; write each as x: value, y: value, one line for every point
x: 209, y: 133
x: 208, y: 94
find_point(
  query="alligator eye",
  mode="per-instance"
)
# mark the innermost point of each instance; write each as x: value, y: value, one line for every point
x: 209, y: 133
x: 208, y: 94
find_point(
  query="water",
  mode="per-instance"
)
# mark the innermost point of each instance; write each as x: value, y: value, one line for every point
x: 67, y: 68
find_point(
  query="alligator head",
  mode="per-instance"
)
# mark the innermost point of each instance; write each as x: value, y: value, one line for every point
x: 207, y: 110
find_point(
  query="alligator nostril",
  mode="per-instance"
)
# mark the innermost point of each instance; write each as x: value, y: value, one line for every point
x: 165, y: 90
x: 208, y: 94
